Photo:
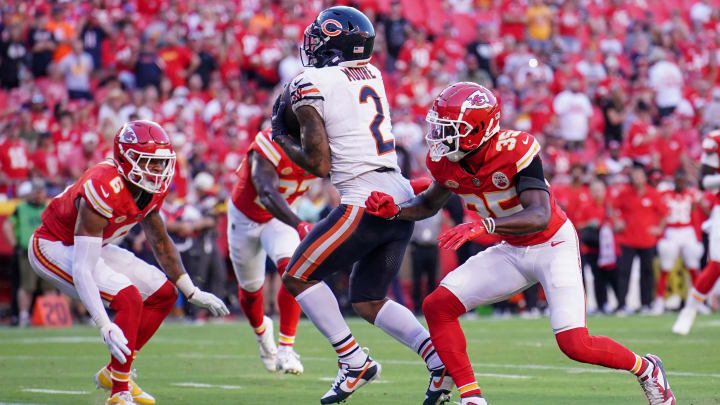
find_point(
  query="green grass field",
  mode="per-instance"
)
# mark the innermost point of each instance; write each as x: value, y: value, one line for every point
x: 517, y: 362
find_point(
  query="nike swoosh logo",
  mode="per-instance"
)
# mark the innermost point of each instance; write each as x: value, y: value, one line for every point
x: 352, y: 384
x: 297, y: 82
x: 553, y: 244
x: 439, y: 382
x: 527, y: 139
x: 105, y: 193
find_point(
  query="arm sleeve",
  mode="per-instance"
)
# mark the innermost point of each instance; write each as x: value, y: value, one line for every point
x: 531, y: 178
x: 86, y: 252
x: 304, y: 92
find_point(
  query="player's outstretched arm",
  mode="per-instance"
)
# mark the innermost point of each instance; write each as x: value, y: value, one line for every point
x: 425, y: 205
x: 265, y: 179
x: 169, y: 259
x: 313, y: 154
x: 87, y: 246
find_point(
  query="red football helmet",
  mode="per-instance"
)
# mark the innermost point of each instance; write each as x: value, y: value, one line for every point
x: 144, y: 155
x: 463, y: 117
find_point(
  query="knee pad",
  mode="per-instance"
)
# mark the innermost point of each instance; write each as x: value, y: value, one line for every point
x: 128, y: 299
x: 252, y: 286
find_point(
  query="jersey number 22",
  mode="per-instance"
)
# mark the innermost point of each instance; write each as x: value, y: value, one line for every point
x: 383, y: 146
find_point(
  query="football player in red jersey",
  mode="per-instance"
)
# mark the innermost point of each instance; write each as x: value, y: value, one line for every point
x: 262, y: 223
x: 710, y: 180
x: 680, y: 237
x: 72, y: 249
x: 499, y: 174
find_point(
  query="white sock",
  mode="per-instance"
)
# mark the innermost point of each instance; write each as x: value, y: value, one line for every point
x: 400, y: 323
x: 695, y: 299
x: 320, y: 305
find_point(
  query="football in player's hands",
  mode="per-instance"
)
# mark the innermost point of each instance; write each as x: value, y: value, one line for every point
x: 381, y: 205
x: 290, y: 122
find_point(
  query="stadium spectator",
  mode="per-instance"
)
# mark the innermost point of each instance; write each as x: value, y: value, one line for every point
x: 639, y: 214
x: 18, y: 229
x: 573, y: 109
x: 641, y: 135
x: 77, y: 67
x: 539, y: 25
x: 13, y: 53
x: 14, y: 159
x: 396, y: 29
x: 41, y: 43
x: 666, y: 80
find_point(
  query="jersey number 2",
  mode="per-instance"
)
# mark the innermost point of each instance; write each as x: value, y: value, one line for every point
x: 383, y: 146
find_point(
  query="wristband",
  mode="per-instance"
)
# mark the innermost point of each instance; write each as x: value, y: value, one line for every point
x: 398, y: 213
x: 489, y: 224
x: 184, y: 284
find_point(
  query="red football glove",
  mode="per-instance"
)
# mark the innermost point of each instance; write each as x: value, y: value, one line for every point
x: 381, y: 205
x: 303, y: 229
x: 421, y: 184
x: 457, y: 236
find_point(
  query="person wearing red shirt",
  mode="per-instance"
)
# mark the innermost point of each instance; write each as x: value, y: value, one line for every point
x: 514, y: 19
x: 641, y: 135
x: 14, y: 159
x: 418, y: 52
x: 669, y: 151
x: 639, y: 213
x: 45, y: 161
x: 178, y: 60
x: 577, y: 195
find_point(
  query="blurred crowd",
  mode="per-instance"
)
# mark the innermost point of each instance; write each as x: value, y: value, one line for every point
x: 619, y: 92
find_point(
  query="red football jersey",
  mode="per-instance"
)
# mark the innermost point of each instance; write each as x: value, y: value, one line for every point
x: 491, y: 191
x: 293, y: 182
x: 680, y: 206
x: 104, y: 190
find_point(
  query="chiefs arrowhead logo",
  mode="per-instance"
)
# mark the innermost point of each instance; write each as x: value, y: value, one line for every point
x: 500, y: 180
x: 120, y: 219
x: 128, y: 136
x: 286, y: 171
x: 477, y: 100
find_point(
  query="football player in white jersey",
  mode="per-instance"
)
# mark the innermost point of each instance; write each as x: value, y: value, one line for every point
x: 343, y: 114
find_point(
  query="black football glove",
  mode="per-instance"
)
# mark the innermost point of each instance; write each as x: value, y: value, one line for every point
x: 278, y: 113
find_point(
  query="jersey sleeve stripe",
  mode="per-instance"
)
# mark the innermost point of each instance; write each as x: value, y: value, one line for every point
x: 268, y: 149
x: 529, y: 156
x: 313, y: 90
x: 95, y: 200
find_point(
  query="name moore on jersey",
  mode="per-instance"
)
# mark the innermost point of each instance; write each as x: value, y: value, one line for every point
x: 492, y: 190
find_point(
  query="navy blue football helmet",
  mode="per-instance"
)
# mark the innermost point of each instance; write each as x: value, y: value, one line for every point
x: 339, y: 36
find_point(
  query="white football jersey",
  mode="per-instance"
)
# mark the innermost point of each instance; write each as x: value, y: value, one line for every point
x: 354, y: 106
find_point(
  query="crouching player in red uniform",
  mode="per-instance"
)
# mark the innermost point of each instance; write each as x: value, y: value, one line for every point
x: 499, y: 175
x: 261, y: 223
x: 72, y: 249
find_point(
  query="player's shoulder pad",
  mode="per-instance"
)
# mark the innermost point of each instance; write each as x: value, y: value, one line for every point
x: 523, y: 147
x: 304, y: 86
x: 101, y: 188
x: 267, y: 148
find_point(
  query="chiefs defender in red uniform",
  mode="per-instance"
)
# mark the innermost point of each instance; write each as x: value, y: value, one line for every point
x: 262, y: 223
x: 709, y: 180
x: 72, y: 249
x: 499, y: 174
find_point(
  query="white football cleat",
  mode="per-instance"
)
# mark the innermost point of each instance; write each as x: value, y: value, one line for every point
x: 658, y: 307
x: 654, y: 382
x: 121, y: 398
x: 288, y: 361
x: 348, y: 380
x: 439, y: 387
x: 473, y: 401
x: 266, y: 344
x: 684, y: 321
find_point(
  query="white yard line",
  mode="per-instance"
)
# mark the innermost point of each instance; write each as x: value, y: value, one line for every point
x: 332, y: 379
x: 203, y: 385
x: 511, y: 376
x: 46, y: 391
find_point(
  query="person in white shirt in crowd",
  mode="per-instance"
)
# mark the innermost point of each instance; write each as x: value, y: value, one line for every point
x: 666, y: 80
x: 573, y: 109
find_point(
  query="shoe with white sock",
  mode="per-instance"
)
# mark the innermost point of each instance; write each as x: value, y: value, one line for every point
x: 473, y: 401
x: 439, y: 387
x: 121, y: 398
x: 684, y: 321
x: 349, y: 379
x: 654, y: 382
x: 658, y: 307
x: 104, y: 380
x: 288, y: 361
x: 266, y: 343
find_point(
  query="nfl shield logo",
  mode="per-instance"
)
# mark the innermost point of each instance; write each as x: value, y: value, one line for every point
x: 476, y: 182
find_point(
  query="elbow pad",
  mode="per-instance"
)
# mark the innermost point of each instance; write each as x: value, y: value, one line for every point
x: 711, y: 182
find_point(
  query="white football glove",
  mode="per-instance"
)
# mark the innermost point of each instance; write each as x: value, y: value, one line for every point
x: 115, y: 340
x: 211, y: 302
